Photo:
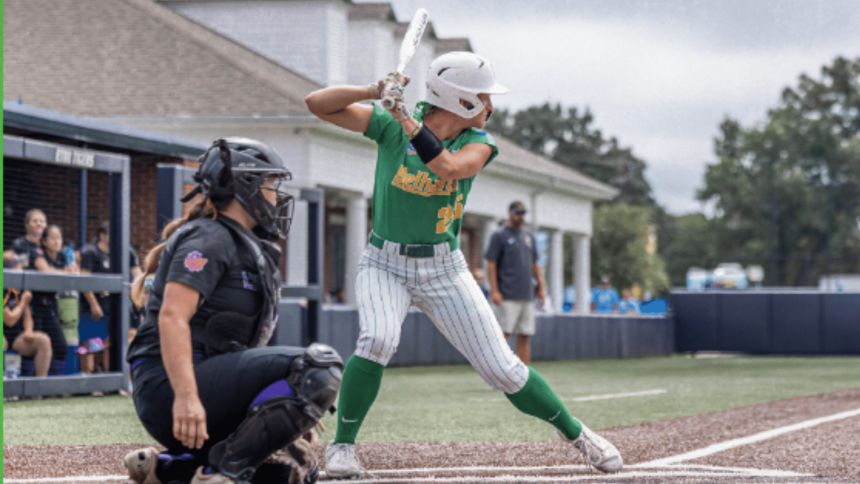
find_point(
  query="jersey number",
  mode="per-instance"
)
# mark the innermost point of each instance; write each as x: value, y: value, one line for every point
x: 447, y: 215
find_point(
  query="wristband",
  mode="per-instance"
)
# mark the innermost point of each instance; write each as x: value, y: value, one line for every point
x: 426, y: 144
x: 414, y: 132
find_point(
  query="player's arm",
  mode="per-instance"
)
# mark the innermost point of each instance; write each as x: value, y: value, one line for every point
x: 11, y: 316
x: 493, y: 276
x: 189, y: 416
x: 42, y: 265
x: 27, y: 322
x: 492, y: 255
x: 465, y: 163
x: 95, y: 307
x: 339, y: 105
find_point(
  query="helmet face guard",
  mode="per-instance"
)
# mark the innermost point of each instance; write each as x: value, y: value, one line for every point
x: 254, y: 169
x: 250, y: 188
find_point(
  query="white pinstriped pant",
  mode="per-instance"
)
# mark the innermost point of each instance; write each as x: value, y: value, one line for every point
x: 441, y: 286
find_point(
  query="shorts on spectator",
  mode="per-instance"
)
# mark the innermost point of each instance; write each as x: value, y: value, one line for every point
x: 93, y: 334
x: 517, y: 317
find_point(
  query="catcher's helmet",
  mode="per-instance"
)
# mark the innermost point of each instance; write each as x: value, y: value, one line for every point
x: 249, y: 164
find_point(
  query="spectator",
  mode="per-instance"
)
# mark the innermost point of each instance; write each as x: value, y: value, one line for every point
x: 18, y: 332
x: 628, y: 304
x: 478, y: 274
x: 51, y: 259
x: 93, y: 329
x: 512, y: 261
x: 604, y: 299
x: 569, y: 299
x: 35, y: 223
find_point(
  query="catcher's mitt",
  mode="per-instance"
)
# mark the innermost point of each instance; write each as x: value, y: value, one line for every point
x: 301, y: 458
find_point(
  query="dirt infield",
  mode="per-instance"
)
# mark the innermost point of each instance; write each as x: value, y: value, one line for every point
x: 825, y: 452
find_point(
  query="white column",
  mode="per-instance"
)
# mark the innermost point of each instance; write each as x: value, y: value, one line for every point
x: 356, y: 242
x: 487, y: 230
x: 582, y: 273
x: 297, y: 247
x: 555, y: 283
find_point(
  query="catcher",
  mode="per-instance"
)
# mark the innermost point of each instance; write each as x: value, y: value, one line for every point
x: 227, y: 408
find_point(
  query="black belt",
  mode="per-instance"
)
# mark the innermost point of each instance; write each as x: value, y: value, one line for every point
x: 417, y: 251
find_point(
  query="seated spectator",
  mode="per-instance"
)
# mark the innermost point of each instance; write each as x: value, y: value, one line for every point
x: 35, y: 223
x: 628, y: 304
x: 604, y: 299
x: 569, y: 299
x: 50, y: 258
x: 18, y: 333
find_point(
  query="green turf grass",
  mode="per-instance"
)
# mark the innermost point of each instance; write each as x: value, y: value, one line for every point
x: 453, y: 403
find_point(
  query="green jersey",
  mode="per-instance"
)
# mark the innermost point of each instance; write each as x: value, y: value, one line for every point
x: 411, y: 205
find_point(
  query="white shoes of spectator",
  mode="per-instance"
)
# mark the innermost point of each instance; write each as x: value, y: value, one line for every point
x: 341, y: 462
x: 598, y: 452
x: 141, y: 465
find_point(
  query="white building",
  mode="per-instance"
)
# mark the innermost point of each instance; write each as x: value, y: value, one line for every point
x: 205, y: 69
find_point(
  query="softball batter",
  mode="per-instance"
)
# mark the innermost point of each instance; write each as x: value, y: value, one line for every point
x: 425, y: 167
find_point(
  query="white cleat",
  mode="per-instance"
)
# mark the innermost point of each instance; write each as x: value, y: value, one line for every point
x: 341, y: 462
x: 597, y: 451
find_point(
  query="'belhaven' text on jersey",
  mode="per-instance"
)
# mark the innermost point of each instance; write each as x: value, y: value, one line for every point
x: 422, y: 183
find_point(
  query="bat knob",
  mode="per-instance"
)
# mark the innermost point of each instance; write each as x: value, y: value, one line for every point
x: 388, y: 103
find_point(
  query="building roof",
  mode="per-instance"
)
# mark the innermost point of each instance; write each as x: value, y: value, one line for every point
x: 524, y: 164
x: 29, y: 118
x: 453, y: 44
x: 136, y: 57
x: 380, y: 11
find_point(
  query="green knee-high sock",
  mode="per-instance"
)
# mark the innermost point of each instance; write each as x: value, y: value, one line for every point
x: 539, y: 400
x: 361, y: 381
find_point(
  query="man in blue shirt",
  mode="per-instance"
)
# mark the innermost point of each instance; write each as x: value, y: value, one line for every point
x: 604, y: 299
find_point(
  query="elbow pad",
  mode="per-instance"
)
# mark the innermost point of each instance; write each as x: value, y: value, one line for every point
x: 426, y: 144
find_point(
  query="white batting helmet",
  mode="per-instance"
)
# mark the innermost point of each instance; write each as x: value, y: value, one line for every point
x: 457, y: 76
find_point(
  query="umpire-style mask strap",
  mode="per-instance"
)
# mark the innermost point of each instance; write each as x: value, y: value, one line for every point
x: 209, y: 187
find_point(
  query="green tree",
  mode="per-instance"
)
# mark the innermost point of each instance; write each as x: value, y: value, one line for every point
x: 568, y: 137
x: 799, y: 170
x: 618, y: 248
x: 693, y: 245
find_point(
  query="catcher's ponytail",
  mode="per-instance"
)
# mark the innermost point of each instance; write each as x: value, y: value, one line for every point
x: 208, y: 208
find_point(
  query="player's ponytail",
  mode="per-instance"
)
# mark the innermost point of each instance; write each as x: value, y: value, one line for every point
x: 208, y: 208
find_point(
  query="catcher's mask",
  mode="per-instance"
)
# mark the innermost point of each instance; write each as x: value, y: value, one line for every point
x: 248, y: 164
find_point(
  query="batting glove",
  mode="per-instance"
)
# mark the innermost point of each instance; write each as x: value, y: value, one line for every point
x: 392, y: 80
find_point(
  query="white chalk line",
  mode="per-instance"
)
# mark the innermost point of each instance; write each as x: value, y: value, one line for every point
x: 67, y: 479
x: 750, y: 439
x: 619, y: 395
x: 640, y: 471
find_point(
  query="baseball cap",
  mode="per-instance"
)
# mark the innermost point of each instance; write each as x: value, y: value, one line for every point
x: 517, y: 207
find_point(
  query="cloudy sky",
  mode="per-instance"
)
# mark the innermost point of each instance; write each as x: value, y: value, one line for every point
x: 659, y: 75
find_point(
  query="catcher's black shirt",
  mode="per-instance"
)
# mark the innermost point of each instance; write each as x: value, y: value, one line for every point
x: 204, y: 255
